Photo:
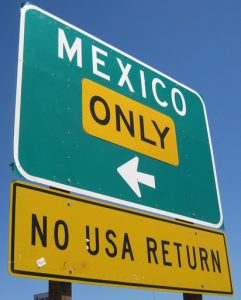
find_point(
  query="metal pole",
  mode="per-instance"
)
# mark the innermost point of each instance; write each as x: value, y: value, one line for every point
x: 192, y: 297
x: 60, y: 290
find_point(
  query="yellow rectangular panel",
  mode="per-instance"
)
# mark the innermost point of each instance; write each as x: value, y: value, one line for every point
x: 58, y: 236
x: 120, y: 120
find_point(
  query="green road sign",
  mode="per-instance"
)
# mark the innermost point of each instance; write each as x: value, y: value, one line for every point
x: 93, y: 120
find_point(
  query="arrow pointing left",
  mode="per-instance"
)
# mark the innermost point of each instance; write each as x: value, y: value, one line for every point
x: 129, y: 172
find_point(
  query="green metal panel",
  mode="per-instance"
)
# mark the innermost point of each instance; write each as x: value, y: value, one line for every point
x: 51, y: 146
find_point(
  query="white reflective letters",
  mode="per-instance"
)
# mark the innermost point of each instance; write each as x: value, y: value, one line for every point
x: 76, y: 48
x: 155, y: 81
x: 97, y: 61
x: 124, y: 77
x: 100, y: 61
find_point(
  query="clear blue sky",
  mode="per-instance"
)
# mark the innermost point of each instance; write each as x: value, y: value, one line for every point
x: 196, y: 42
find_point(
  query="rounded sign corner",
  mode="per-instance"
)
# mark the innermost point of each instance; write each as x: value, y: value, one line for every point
x: 27, y: 6
x: 19, y: 169
x: 11, y: 270
x: 220, y: 223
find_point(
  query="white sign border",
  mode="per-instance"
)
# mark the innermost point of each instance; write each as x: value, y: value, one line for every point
x: 83, y: 192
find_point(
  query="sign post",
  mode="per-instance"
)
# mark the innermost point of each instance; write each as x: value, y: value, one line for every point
x: 192, y: 297
x: 60, y: 290
x: 93, y: 120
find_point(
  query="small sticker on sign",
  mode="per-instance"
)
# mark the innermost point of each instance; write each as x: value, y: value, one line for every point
x: 41, y: 262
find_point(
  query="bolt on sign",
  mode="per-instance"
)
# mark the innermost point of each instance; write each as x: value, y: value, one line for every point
x: 59, y: 236
x: 93, y: 120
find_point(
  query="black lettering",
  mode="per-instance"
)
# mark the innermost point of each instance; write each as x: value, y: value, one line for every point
x: 165, y: 252
x: 106, y: 119
x: 56, y: 235
x: 143, y: 138
x: 127, y: 247
x: 108, y: 235
x: 151, y: 249
x: 97, y: 243
x: 162, y: 135
x: 42, y: 233
x: 216, y: 261
x: 203, y: 258
x: 194, y: 265
x: 178, y: 245
x: 129, y: 125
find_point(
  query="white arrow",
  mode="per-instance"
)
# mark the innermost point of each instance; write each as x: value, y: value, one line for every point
x: 132, y: 177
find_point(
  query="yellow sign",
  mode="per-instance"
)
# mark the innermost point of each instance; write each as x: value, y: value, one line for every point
x: 58, y: 236
x: 120, y: 120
